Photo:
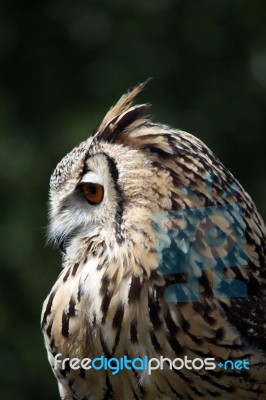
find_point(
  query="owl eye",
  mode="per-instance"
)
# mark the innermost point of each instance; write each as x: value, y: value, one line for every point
x: 93, y: 192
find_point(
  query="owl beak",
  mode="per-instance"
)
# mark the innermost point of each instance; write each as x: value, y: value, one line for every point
x: 64, y: 241
x: 62, y: 245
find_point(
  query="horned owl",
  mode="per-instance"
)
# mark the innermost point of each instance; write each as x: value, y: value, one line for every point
x: 164, y: 258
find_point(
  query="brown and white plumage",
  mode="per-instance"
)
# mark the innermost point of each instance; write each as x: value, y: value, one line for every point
x: 109, y: 298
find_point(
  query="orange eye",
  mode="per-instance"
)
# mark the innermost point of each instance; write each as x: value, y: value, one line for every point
x: 93, y: 192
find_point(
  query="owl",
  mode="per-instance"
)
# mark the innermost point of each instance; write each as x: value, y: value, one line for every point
x: 162, y: 294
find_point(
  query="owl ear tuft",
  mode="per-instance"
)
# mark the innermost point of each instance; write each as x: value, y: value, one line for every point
x: 122, y: 114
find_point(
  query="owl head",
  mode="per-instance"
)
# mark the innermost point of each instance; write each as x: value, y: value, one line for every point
x: 111, y: 185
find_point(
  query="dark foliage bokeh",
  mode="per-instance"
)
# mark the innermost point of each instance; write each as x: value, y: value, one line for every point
x: 63, y: 63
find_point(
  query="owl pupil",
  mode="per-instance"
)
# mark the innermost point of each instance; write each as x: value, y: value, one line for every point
x: 93, y: 189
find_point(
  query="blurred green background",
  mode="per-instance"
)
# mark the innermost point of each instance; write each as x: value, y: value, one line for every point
x: 63, y: 63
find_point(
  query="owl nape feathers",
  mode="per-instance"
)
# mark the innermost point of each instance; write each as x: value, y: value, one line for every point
x: 163, y: 258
